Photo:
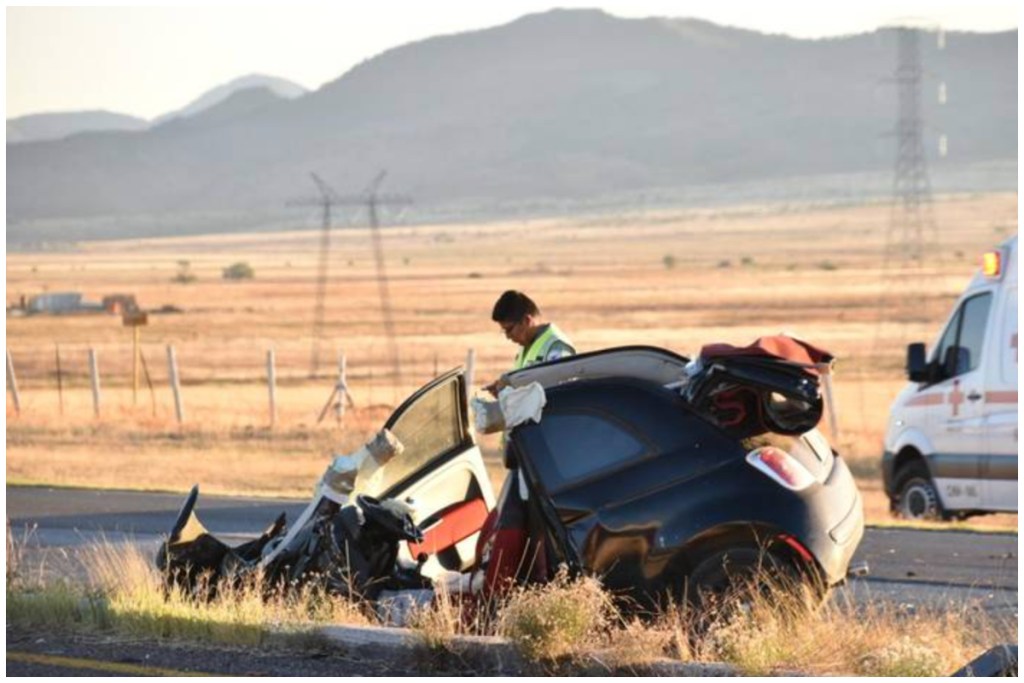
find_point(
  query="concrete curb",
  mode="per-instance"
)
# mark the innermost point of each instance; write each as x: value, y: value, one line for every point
x: 485, y: 654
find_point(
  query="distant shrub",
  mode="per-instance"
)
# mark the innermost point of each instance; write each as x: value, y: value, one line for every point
x: 184, y: 274
x: 238, y: 271
x: 747, y: 261
x: 828, y: 265
x: 725, y: 263
x: 669, y: 261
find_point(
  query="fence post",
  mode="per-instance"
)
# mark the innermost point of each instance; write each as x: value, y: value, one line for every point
x: 135, y: 365
x: 342, y: 388
x: 60, y: 379
x: 172, y: 367
x: 149, y: 381
x: 94, y: 378
x: 271, y: 383
x: 470, y: 369
x: 12, y: 383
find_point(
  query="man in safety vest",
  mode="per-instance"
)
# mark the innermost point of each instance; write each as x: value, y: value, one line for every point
x: 506, y: 550
x: 521, y: 321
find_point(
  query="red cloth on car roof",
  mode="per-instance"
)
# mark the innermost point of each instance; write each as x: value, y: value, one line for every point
x: 778, y: 346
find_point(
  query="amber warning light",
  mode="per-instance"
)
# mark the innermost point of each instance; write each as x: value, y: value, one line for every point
x: 992, y: 264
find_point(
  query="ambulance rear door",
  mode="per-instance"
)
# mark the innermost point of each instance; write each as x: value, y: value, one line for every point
x: 957, y: 414
x: 999, y: 470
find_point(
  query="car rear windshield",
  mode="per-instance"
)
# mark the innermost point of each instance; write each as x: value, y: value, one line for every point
x: 586, y: 443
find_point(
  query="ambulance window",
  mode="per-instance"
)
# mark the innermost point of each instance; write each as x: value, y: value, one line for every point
x: 948, y: 338
x: 972, y: 330
x: 1009, y: 339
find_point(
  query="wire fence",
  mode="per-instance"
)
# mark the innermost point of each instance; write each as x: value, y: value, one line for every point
x: 244, y: 374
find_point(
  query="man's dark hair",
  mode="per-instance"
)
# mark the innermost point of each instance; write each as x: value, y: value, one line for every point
x: 513, y: 306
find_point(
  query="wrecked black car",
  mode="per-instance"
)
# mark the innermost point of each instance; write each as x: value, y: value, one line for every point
x: 660, y: 475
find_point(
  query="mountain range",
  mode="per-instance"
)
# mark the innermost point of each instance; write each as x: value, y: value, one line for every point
x: 57, y: 125
x: 567, y: 107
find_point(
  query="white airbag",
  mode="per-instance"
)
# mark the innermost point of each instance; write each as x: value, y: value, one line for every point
x: 515, y: 406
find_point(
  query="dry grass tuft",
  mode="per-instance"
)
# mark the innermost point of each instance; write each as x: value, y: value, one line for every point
x: 637, y: 642
x: 776, y: 632
x: 903, y: 657
x: 124, y: 592
x: 437, y: 623
x: 565, y: 618
x: 13, y: 555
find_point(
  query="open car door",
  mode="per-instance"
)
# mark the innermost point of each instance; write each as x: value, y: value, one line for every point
x: 442, y: 470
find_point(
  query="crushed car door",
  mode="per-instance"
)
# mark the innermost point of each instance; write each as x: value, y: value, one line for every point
x: 442, y: 471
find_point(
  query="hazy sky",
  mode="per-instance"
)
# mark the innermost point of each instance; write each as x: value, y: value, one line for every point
x: 147, y: 60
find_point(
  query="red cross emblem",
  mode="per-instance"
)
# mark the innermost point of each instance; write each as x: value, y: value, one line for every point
x: 956, y: 397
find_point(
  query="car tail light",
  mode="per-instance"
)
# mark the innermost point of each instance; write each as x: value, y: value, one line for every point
x: 781, y: 466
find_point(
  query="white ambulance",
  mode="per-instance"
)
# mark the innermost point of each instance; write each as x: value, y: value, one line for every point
x: 951, y: 444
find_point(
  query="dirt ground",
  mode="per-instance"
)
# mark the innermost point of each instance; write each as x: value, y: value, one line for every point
x: 835, y: 276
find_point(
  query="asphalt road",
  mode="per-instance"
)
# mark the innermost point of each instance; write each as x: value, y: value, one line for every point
x: 42, y: 653
x: 903, y: 562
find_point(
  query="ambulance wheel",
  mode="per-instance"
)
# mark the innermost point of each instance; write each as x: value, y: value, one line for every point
x: 916, y: 495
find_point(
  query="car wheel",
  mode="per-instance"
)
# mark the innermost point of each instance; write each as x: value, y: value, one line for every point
x: 916, y: 495
x: 730, y: 581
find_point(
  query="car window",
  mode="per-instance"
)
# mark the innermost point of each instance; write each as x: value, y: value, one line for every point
x: 972, y: 331
x: 429, y: 427
x: 583, y: 443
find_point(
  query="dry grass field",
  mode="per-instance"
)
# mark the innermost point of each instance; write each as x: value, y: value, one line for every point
x: 678, y: 279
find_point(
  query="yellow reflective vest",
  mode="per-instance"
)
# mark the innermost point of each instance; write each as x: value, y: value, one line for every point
x: 540, y: 348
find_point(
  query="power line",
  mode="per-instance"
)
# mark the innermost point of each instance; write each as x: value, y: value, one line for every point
x: 326, y: 199
x: 373, y: 200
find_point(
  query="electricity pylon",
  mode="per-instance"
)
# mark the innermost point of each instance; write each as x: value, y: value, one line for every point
x: 326, y: 199
x: 373, y: 200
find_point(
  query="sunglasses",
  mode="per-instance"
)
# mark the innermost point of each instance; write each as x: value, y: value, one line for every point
x: 508, y: 327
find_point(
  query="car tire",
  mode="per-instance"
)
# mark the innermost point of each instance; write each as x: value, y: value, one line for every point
x: 725, y: 579
x: 916, y: 495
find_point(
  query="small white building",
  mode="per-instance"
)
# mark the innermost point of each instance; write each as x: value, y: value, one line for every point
x: 55, y: 302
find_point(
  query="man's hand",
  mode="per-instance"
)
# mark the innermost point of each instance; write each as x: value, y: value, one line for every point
x: 494, y: 387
